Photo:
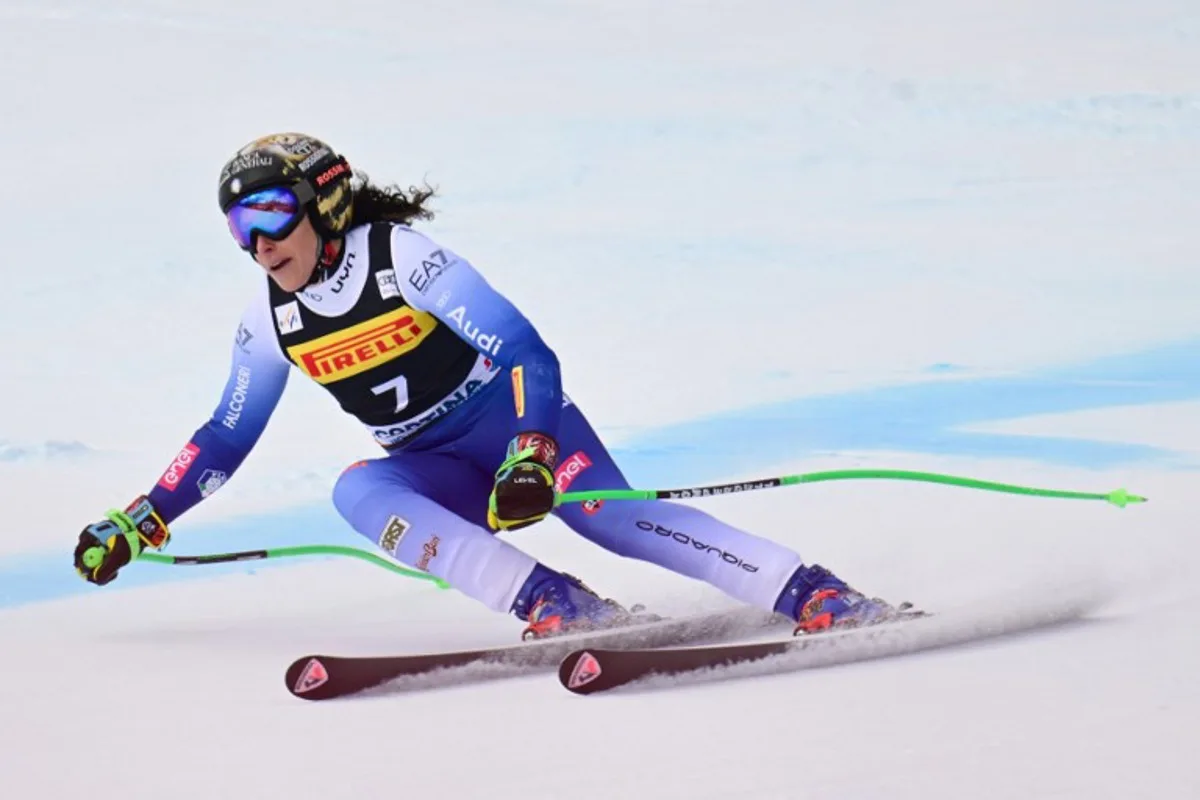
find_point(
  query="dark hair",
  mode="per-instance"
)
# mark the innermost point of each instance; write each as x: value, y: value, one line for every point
x: 388, y: 203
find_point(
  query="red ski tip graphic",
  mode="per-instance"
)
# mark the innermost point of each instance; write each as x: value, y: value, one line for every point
x: 314, y: 675
x: 586, y: 671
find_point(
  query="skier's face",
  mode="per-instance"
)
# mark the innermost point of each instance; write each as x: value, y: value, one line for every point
x: 290, y: 261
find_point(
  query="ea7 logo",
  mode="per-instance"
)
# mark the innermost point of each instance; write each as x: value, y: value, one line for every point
x: 243, y: 337
x: 430, y: 270
x: 179, y: 467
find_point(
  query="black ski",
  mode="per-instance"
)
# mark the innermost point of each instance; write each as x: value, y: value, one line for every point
x: 591, y: 669
x: 321, y: 677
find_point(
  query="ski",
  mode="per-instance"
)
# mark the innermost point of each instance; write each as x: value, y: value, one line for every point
x: 322, y: 677
x: 590, y: 670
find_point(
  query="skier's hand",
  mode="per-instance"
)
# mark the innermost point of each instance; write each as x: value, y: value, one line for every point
x: 524, y: 490
x: 108, y: 545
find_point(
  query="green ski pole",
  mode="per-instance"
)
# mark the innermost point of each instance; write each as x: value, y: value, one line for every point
x: 1118, y: 497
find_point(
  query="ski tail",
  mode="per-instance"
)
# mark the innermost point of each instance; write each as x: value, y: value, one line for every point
x: 593, y: 669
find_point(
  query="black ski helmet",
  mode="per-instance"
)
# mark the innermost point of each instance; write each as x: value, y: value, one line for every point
x: 288, y: 159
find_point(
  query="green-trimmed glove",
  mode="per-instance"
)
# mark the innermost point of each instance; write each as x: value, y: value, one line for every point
x: 106, y: 546
x: 524, y: 490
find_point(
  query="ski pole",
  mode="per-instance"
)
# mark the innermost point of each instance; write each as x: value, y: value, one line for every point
x: 285, y: 552
x: 1118, y: 497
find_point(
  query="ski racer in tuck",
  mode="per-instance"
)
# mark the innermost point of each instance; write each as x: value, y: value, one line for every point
x: 462, y: 394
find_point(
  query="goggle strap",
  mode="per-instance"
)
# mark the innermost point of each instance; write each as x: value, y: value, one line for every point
x: 304, y: 192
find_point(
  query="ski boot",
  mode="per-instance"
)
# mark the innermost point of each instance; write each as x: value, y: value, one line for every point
x: 819, y: 600
x: 555, y: 604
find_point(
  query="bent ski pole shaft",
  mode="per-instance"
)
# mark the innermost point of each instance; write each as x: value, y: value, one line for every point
x: 1118, y: 497
x: 286, y: 552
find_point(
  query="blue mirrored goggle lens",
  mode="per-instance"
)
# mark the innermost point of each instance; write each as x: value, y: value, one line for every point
x: 273, y: 212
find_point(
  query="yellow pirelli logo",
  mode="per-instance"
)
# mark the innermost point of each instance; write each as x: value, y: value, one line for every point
x: 337, y: 356
x: 518, y: 379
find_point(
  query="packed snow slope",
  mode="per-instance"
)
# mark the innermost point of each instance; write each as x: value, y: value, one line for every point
x: 763, y: 237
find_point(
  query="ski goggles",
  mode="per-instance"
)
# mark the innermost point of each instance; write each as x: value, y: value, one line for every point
x: 273, y: 212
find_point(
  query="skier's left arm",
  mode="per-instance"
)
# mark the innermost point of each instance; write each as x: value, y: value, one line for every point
x: 444, y: 284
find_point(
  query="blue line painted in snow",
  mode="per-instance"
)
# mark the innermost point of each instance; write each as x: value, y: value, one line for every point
x: 920, y: 418
x: 925, y: 418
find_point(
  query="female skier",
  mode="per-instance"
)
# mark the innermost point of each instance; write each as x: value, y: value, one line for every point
x: 458, y: 388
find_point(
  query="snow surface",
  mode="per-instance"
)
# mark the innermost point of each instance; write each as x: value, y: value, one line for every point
x: 940, y: 236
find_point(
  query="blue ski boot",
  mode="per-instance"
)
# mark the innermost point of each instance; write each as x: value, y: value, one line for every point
x: 819, y: 600
x: 554, y: 604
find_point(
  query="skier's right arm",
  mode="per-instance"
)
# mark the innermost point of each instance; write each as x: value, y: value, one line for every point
x: 257, y: 377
